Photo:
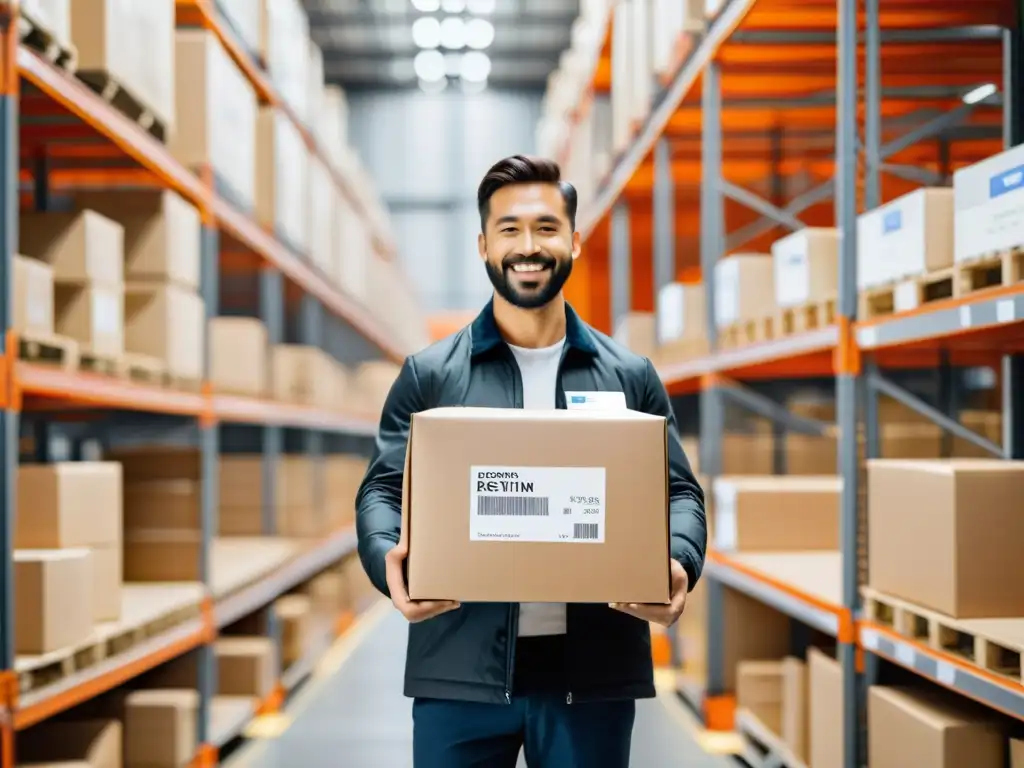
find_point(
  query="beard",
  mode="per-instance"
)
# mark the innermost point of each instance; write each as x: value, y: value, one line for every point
x: 556, y: 274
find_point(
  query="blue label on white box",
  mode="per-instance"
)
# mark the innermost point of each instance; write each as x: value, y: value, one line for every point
x: 595, y: 401
x: 892, y: 221
x: 1006, y: 181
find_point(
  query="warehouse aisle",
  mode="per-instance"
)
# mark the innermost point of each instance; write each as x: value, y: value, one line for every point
x: 355, y: 715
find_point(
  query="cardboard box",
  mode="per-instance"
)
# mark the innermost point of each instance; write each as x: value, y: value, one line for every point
x: 963, y: 527
x: 759, y: 690
x: 794, y: 705
x: 92, y: 315
x: 988, y: 206
x: 108, y: 578
x: 636, y: 332
x: 82, y: 247
x: 166, y: 322
x: 160, y: 728
x: 744, y: 288
x: 245, y: 18
x: 776, y: 514
x: 295, y: 613
x: 85, y: 743
x: 506, y: 505
x: 806, y: 265
x: 53, y: 600
x: 304, y: 375
x: 284, y: 45
x: 161, y: 233
x: 162, y: 504
x: 33, y: 297
x: 681, y: 313
x: 910, y: 236
x: 216, y: 108
x: 825, y: 742
x: 328, y: 593
x: 239, y: 355
x: 908, y: 727
x: 246, y: 666
x: 162, y: 555
x: 320, y: 223
x: 282, y: 177
x: 68, y: 504
x: 1016, y: 753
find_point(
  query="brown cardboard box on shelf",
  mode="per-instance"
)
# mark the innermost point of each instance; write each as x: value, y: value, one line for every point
x: 758, y: 514
x: 282, y: 177
x: 794, y: 705
x: 328, y: 594
x: 361, y: 592
x: 239, y: 355
x: 682, y: 322
x: 806, y: 265
x: 85, y: 743
x: 76, y: 504
x: 506, y: 505
x: 744, y: 288
x: 825, y: 744
x: 33, y: 297
x: 166, y: 322
x: 753, y: 631
x: 1016, y: 753
x: 161, y: 233
x: 964, y: 527
x: 53, y: 600
x: 636, y: 331
x: 160, y: 728
x: 162, y: 555
x: 162, y: 504
x: 82, y: 247
x: 304, y: 375
x: 295, y: 612
x: 372, y: 382
x: 245, y: 666
x: 759, y: 690
x: 342, y: 476
x: 156, y: 462
x: 909, y: 727
x: 92, y: 315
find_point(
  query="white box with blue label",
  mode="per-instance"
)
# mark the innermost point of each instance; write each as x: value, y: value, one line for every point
x: 910, y: 236
x: 988, y: 215
x: 806, y: 265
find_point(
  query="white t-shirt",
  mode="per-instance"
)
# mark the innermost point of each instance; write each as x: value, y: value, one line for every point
x: 539, y: 369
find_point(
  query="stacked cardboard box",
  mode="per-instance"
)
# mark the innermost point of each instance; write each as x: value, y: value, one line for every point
x: 681, y: 320
x: 85, y: 250
x: 32, y: 315
x: 239, y: 356
x: 284, y: 46
x: 67, y: 541
x: 744, y: 289
x: 806, y: 267
x: 370, y: 386
x: 160, y: 728
x: 246, y: 666
x: 164, y: 315
x: 307, y: 375
x: 282, y: 178
x: 295, y: 614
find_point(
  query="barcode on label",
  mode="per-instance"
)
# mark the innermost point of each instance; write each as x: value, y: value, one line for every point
x: 512, y: 506
x: 584, y: 531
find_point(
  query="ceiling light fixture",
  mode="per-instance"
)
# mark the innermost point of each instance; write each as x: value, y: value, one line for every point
x: 427, y: 6
x: 980, y: 93
x: 476, y: 67
x: 429, y: 66
x: 426, y: 32
x: 453, y: 33
x: 481, y: 7
x: 479, y: 34
x: 453, y: 6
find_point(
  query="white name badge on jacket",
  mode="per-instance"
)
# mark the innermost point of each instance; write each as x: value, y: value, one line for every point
x: 595, y: 401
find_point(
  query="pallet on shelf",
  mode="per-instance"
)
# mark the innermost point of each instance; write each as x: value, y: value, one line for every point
x: 49, y: 349
x: 807, y: 317
x: 147, y: 611
x: 995, y: 645
x: 144, y: 369
x: 35, y: 33
x: 124, y: 101
x: 995, y: 269
x: 748, y: 332
x: 923, y: 289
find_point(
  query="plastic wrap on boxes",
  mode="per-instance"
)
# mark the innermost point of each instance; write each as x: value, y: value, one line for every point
x: 285, y: 48
x: 321, y: 204
x: 133, y: 44
x: 243, y: 16
x: 222, y: 131
x: 282, y: 177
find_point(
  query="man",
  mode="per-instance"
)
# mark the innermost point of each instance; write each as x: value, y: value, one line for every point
x: 488, y: 679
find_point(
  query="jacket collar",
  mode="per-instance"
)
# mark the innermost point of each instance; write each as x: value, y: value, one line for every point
x: 485, y: 335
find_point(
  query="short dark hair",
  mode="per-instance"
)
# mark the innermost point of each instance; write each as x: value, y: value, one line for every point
x: 523, y: 169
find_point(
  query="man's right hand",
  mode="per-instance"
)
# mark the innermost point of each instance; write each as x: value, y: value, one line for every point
x: 413, y: 610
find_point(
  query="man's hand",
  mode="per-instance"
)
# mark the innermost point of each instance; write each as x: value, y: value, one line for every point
x: 413, y: 610
x: 665, y: 615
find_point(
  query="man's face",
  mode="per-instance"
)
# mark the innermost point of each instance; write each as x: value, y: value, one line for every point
x: 528, y: 245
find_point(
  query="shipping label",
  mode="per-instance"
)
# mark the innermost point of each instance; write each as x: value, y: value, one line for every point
x: 541, y: 504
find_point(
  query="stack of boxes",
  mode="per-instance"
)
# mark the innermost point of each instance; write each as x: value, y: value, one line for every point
x: 239, y: 356
x: 67, y: 541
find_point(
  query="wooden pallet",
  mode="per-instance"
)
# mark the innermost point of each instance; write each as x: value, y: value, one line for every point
x: 747, y: 332
x: 105, y: 365
x: 115, y: 94
x: 182, y: 384
x: 807, y: 317
x: 59, y: 351
x: 144, y: 369
x: 995, y: 645
x: 1004, y: 268
x: 881, y: 301
x: 35, y: 34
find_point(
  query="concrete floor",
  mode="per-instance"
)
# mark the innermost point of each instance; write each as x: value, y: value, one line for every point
x: 355, y: 716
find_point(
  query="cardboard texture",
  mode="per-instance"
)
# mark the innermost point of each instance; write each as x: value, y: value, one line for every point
x: 92, y: 315
x: 507, y: 505
x: 160, y: 728
x: 759, y: 690
x: 806, y: 266
x: 246, y: 666
x: 908, y: 727
x: 53, y: 600
x: 167, y: 322
x: 33, y: 297
x: 82, y: 247
x: 239, y: 355
x: 91, y: 743
x: 744, y: 288
x: 825, y: 745
x: 964, y: 529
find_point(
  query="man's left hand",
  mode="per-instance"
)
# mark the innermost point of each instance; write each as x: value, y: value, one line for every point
x: 665, y: 615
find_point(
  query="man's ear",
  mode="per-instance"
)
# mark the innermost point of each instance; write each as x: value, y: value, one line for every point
x: 481, y: 246
x: 577, y: 245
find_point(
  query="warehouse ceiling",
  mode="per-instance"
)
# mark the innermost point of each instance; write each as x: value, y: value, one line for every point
x: 433, y: 44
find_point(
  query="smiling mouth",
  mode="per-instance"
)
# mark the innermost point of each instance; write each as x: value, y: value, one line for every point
x: 528, y: 267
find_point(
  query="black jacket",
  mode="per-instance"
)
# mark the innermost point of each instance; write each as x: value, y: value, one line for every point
x: 467, y: 654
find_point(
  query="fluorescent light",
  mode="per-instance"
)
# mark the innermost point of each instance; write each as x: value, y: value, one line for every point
x: 429, y: 66
x: 426, y: 6
x: 476, y: 67
x: 980, y: 93
x: 453, y: 33
x: 479, y: 34
x: 453, y: 6
x: 426, y: 32
x: 480, y: 7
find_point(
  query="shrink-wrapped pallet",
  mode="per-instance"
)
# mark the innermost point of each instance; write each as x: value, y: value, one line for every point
x: 285, y: 49
x: 243, y: 17
x: 282, y: 178
x: 130, y: 46
x: 216, y: 107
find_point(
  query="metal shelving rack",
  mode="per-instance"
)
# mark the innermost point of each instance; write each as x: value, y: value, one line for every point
x: 849, y: 352
x: 212, y: 421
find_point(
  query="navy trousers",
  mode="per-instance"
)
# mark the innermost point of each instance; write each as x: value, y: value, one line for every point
x: 453, y: 734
